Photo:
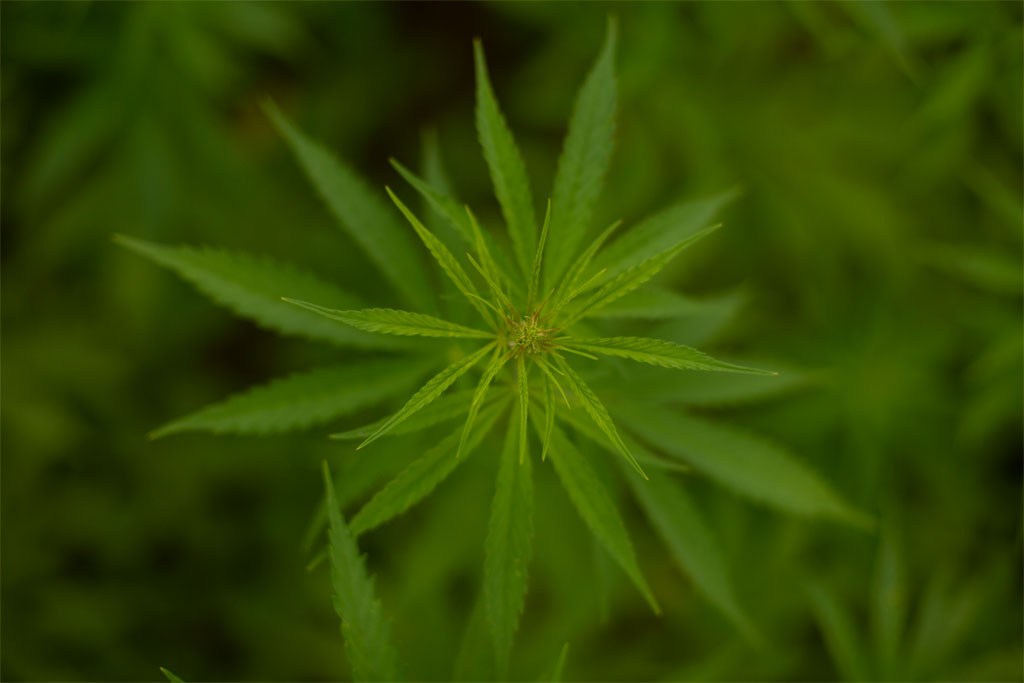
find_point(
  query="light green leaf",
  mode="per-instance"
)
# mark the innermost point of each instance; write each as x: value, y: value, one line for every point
x: 419, y: 478
x: 524, y: 406
x: 253, y: 286
x: 652, y: 303
x: 508, y: 173
x: 630, y: 279
x: 366, y: 631
x: 445, y: 259
x: 391, y: 321
x: 429, y: 392
x: 676, y: 519
x: 596, y: 508
x: 302, y: 399
x: 362, y: 213
x: 656, y: 352
x: 748, y: 465
x: 840, y: 635
x: 585, y: 158
x: 549, y: 417
x: 475, y: 659
x: 497, y: 362
x: 537, y: 260
x: 448, y: 208
x: 597, y: 412
x: 445, y: 407
x: 508, y: 548
x: 661, y: 232
x: 573, y: 284
x: 170, y: 676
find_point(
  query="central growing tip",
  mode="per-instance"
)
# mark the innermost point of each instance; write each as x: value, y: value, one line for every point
x: 527, y: 336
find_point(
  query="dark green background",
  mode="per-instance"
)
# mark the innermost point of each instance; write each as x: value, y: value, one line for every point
x: 877, y: 245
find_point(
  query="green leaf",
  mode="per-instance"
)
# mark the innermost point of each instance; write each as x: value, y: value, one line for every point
x: 170, y: 676
x: 549, y: 417
x: 497, y: 362
x: 571, y: 285
x: 362, y: 213
x: 434, y: 387
x: 889, y: 600
x: 537, y: 260
x: 558, y: 670
x: 447, y: 207
x: 508, y: 173
x: 597, y: 412
x: 366, y: 631
x: 419, y: 478
x: 675, y: 517
x: 630, y: 279
x: 585, y: 158
x: 253, y: 286
x: 302, y: 399
x: 445, y: 407
x: 524, y: 406
x: 595, y: 506
x: 662, y: 232
x: 746, y: 464
x: 391, y: 321
x: 508, y: 548
x: 840, y: 635
x: 654, y: 385
x: 475, y: 659
x: 656, y: 352
x: 652, y: 303
x: 445, y: 259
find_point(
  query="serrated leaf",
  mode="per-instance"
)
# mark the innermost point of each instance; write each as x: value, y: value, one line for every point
x: 746, y: 464
x: 508, y: 547
x: 415, y: 482
x: 445, y: 407
x: 443, y: 204
x: 444, y: 258
x: 252, y: 287
x: 497, y: 362
x: 426, y: 394
x: 508, y: 173
x: 534, y: 286
x: 362, y: 212
x: 630, y: 279
x: 475, y: 659
x: 524, y: 405
x: 597, y: 412
x: 595, y: 506
x: 585, y: 158
x: 391, y: 321
x: 302, y: 400
x: 652, y: 303
x: 366, y: 631
x: 675, y: 517
x: 656, y: 352
x: 661, y: 232
x: 654, y: 385
x: 170, y: 676
x: 549, y: 418
x: 572, y: 284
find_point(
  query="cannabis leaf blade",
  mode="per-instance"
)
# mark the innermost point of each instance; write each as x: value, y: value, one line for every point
x: 366, y: 631
x: 445, y: 407
x: 676, y: 519
x: 391, y: 321
x: 657, y: 352
x: 170, y: 676
x: 596, y: 507
x: 422, y: 476
x: 508, y: 547
x: 661, y: 232
x: 302, y: 399
x: 748, y: 465
x: 362, y: 213
x: 585, y: 158
x: 524, y: 405
x: 252, y: 287
x: 497, y: 362
x: 508, y: 173
x: 429, y: 391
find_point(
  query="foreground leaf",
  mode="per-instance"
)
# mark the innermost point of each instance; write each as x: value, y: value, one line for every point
x: 170, y: 676
x: 445, y: 407
x: 422, y: 476
x: 508, y: 548
x: 657, y: 352
x: 746, y: 464
x: 596, y: 507
x: 585, y: 158
x: 508, y: 173
x: 497, y: 362
x: 363, y: 214
x: 676, y: 519
x: 367, y: 633
x: 252, y: 287
x: 302, y: 400
x: 434, y: 387
x: 391, y: 321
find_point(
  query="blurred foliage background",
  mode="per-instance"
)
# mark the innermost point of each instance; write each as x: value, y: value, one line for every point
x: 874, y: 255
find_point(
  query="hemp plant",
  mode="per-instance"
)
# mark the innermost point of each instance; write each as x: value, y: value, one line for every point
x: 528, y: 322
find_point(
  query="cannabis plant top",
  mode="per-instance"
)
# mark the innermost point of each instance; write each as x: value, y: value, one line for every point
x: 527, y: 318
